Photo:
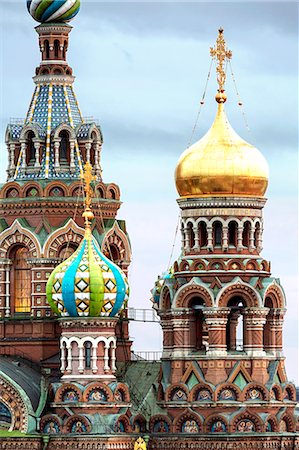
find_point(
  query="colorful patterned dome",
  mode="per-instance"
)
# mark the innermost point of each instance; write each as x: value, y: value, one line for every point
x: 53, y: 10
x: 87, y: 284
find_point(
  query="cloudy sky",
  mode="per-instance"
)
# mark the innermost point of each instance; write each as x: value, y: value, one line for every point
x: 141, y: 69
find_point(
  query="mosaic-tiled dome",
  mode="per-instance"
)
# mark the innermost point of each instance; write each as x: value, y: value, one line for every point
x: 87, y: 284
x: 53, y: 10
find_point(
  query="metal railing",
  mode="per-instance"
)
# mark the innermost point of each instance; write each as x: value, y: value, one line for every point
x: 16, y: 121
x: 143, y: 315
x: 146, y: 356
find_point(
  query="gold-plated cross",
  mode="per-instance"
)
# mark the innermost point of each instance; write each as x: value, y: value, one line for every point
x: 221, y: 53
x: 88, y: 178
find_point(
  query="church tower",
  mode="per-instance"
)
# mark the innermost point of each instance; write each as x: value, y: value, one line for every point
x: 42, y: 201
x: 221, y: 310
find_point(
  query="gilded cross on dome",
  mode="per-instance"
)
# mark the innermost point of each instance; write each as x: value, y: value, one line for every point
x: 88, y: 178
x: 221, y: 53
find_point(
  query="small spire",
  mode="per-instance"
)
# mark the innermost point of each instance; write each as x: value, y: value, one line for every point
x: 222, y: 54
x: 88, y: 214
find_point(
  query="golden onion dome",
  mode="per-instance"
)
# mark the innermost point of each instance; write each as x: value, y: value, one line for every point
x: 221, y: 164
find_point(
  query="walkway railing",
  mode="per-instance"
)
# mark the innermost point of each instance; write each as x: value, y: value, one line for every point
x: 143, y: 315
x: 146, y: 356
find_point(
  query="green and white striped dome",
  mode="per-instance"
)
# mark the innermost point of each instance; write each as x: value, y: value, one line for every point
x: 53, y: 10
x: 87, y: 284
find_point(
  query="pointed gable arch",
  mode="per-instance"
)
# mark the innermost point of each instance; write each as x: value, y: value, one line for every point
x: 16, y: 234
x: 117, y: 238
x: 69, y: 233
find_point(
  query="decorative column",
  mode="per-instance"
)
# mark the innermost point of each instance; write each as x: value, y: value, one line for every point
x: 12, y: 166
x: 187, y: 239
x: 260, y: 240
x: 87, y: 148
x: 225, y: 238
x: 23, y: 153
x: 72, y: 156
x: 254, y: 321
x: 62, y: 357
x: 56, y: 154
x: 233, y: 324
x: 278, y: 326
x: 94, y: 358
x: 69, y: 358
x: 113, y: 358
x: 210, y: 238
x: 106, y: 358
x: 183, y: 237
x: 196, y: 239
x: 97, y: 159
x: 251, y: 239
x: 240, y: 238
x: 81, y: 357
x: 216, y: 320
x: 37, y: 148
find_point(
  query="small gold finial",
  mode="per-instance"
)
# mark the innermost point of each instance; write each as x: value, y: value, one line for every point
x: 88, y: 178
x: 140, y: 444
x: 221, y: 53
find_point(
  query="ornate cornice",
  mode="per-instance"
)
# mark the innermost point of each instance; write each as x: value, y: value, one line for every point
x: 67, y: 80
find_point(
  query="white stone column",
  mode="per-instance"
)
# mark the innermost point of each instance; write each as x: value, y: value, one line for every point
x: 240, y: 238
x: 106, y: 358
x: 113, y: 358
x: 37, y: 147
x: 81, y: 358
x: 183, y: 237
x: 187, y: 239
x: 94, y: 358
x: 210, y: 237
x: 87, y: 148
x: 260, y: 240
x: 196, y: 238
x: 72, y: 156
x: 62, y: 357
x: 251, y: 239
x: 56, y: 154
x: 225, y: 238
x: 23, y: 152
x: 69, y: 358
x: 12, y: 148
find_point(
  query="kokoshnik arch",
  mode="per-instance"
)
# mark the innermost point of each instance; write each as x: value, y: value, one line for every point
x: 68, y: 377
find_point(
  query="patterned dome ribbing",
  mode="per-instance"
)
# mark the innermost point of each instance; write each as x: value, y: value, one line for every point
x: 87, y: 284
x: 53, y: 10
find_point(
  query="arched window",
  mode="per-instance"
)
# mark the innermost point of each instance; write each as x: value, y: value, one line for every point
x: 203, y: 234
x: 112, y: 194
x: 30, y: 154
x: 257, y: 234
x: 232, y: 233
x: 67, y: 250
x: 200, y: 334
x: 64, y: 150
x: 5, y: 417
x: 93, y: 148
x: 114, y: 253
x: 20, y: 281
x: 268, y: 337
x: 235, y: 325
x: 191, y: 235
x: 246, y: 233
x: 87, y: 354
x: 47, y: 49
x: 217, y: 233
x: 56, y: 48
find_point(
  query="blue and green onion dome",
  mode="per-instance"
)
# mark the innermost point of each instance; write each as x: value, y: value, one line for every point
x: 53, y: 10
x: 87, y: 284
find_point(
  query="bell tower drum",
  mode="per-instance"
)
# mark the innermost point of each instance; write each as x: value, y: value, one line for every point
x: 221, y: 310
